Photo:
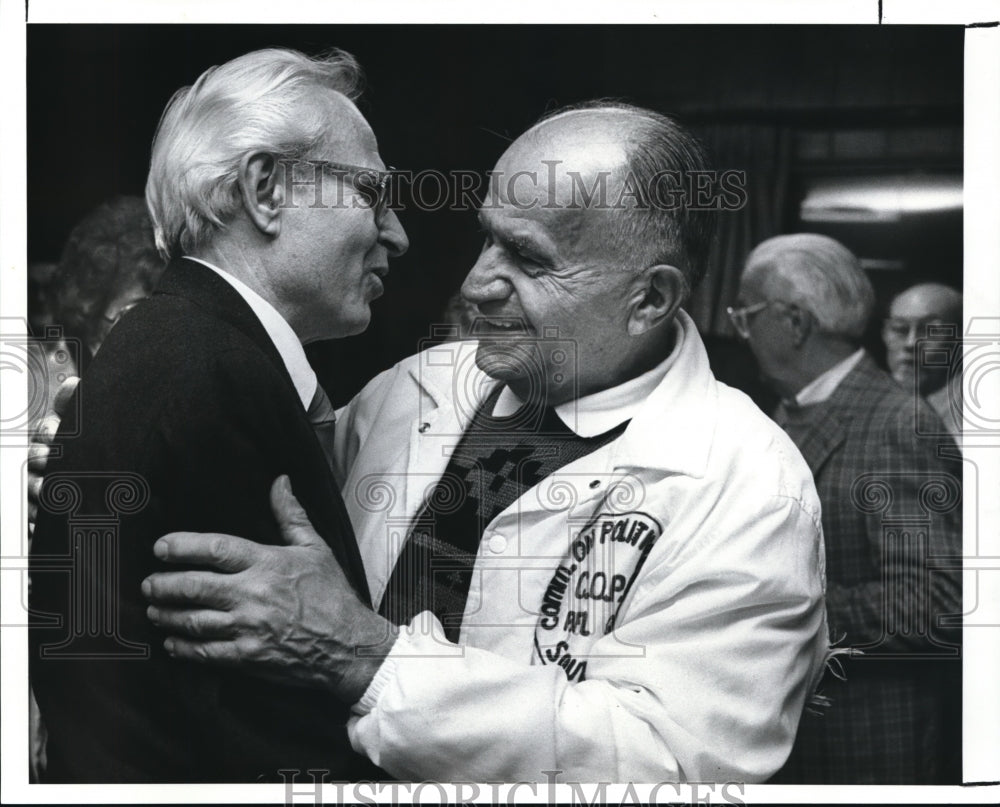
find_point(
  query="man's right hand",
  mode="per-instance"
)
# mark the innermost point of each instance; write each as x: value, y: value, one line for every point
x: 41, y: 439
x: 286, y: 613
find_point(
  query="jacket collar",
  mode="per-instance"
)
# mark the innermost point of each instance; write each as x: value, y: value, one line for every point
x: 672, y: 431
x: 202, y: 287
x: 856, y: 386
x: 859, y: 383
x: 454, y: 385
x: 819, y: 429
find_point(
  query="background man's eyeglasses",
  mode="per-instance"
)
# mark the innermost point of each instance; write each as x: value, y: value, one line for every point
x: 740, y: 317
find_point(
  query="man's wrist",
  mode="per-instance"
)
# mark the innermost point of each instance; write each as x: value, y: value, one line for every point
x: 375, y: 637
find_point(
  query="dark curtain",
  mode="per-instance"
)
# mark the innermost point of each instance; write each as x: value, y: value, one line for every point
x: 763, y: 151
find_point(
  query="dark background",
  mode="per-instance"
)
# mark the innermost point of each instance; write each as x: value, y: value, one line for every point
x: 849, y: 101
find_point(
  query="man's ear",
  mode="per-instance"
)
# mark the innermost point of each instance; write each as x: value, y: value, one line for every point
x: 662, y: 290
x: 800, y: 324
x: 262, y: 191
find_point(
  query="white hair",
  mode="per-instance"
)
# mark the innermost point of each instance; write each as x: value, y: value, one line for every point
x: 250, y: 104
x: 824, y: 277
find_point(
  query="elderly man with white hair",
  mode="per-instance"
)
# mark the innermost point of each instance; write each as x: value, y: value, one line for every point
x: 595, y: 562
x: 890, y: 514
x: 200, y: 396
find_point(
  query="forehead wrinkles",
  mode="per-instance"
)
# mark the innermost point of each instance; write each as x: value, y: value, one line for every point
x: 566, y: 187
x: 558, y: 171
x: 346, y: 126
x: 573, y: 234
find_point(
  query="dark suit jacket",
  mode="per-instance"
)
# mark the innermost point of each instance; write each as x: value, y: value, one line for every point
x: 187, y: 415
x: 891, y: 505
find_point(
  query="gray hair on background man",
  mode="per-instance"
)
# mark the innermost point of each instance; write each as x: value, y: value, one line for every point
x: 824, y: 277
x: 250, y: 104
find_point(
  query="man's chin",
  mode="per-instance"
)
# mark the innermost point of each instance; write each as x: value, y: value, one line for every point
x: 343, y: 326
x: 519, y: 365
x: 516, y: 361
x: 505, y: 361
x: 903, y: 373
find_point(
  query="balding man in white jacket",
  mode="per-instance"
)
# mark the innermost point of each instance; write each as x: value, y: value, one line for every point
x: 586, y: 555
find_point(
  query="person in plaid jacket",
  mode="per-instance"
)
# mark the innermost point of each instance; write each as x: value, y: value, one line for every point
x: 889, y: 483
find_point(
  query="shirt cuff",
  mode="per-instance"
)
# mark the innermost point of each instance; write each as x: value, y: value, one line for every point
x: 422, y: 638
x: 385, y: 673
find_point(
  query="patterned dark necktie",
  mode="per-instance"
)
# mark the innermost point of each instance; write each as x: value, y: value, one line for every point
x: 324, y: 421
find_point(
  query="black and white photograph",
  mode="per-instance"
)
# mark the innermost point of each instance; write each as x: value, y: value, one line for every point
x: 481, y: 411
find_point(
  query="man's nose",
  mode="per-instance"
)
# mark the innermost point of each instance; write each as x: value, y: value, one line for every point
x: 485, y: 282
x: 392, y: 235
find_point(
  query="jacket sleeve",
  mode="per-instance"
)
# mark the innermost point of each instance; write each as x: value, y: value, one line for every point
x: 207, y: 438
x: 911, y: 500
x: 731, y: 635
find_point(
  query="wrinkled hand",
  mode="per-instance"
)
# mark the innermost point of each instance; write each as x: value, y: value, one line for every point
x: 41, y: 440
x: 286, y: 613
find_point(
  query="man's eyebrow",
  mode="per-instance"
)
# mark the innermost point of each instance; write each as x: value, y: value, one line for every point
x: 501, y: 233
x: 522, y: 241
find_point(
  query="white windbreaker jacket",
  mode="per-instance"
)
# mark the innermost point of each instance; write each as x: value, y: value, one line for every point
x: 652, y: 612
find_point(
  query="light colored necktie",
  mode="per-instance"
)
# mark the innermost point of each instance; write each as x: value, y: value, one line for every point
x: 324, y: 420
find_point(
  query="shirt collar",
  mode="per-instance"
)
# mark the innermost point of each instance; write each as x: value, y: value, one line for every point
x: 285, y: 341
x: 601, y: 411
x: 823, y: 386
x: 673, y: 430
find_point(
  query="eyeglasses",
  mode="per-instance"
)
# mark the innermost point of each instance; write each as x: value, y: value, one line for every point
x: 740, y: 317
x: 906, y: 329
x: 372, y: 184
